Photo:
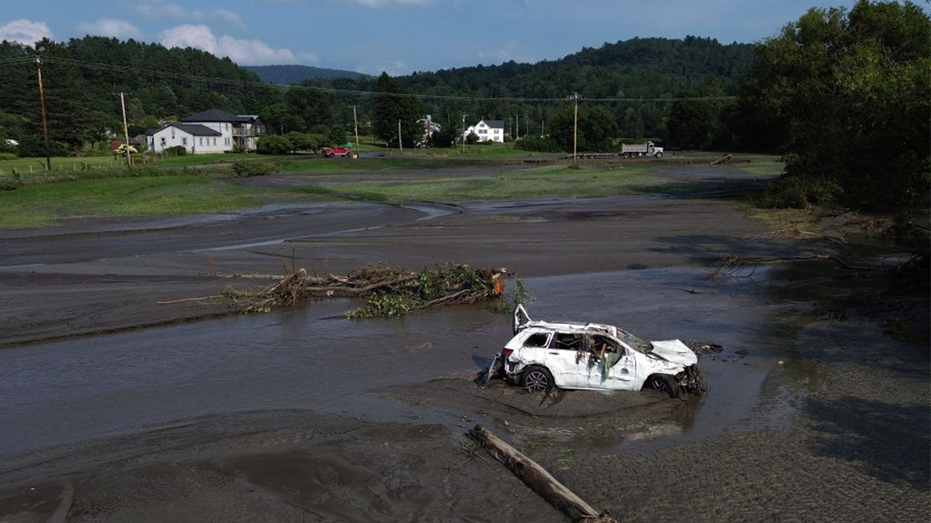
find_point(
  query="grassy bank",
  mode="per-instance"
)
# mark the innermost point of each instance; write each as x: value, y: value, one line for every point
x: 187, y: 190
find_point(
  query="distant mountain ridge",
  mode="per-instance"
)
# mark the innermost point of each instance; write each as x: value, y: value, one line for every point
x: 290, y: 74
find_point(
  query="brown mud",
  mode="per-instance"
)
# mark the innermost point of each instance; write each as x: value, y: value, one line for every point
x: 838, y: 431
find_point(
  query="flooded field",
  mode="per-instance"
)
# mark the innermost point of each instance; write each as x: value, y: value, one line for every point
x: 302, y: 413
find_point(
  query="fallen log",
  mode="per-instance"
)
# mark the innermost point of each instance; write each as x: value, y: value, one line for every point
x: 538, y: 479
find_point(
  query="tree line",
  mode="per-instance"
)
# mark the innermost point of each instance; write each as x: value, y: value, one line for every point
x: 843, y: 94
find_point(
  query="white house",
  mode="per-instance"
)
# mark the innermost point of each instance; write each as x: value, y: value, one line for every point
x: 195, y: 138
x: 211, y: 131
x: 487, y: 130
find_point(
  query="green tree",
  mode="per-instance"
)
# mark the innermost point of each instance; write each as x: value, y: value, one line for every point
x: 391, y: 106
x: 597, y: 129
x: 849, y: 97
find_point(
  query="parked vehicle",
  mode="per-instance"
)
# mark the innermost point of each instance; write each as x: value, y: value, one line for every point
x: 337, y: 151
x: 640, y: 150
x: 593, y: 356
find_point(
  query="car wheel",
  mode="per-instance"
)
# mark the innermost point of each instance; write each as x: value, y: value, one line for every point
x: 663, y: 383
x: 537, y: 378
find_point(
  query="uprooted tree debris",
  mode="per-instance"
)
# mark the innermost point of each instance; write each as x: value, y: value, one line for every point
x: 388, y: 291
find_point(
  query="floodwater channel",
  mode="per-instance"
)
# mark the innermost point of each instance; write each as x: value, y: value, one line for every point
x: 311, y: 358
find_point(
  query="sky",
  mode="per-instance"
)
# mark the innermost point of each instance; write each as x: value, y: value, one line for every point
x: 398, y: 36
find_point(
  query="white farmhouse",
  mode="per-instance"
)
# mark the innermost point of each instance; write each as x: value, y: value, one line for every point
x: 487, y: 130
x: 211, y: 131
x: 195, y: 138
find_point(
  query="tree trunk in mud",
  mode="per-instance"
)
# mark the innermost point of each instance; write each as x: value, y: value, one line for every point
x: 538, y: 479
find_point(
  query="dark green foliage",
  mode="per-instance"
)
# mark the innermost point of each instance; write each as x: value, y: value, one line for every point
x: 274, y: 144
x: 245, y: 169
x: 396, y: 112
x: 847, y: 97
x: 597, y: 129
x: 176, y: 150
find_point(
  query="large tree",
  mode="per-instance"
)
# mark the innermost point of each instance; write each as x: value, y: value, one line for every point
x: 848, y: 97
x: 394, y: 107
x: 597, y: 129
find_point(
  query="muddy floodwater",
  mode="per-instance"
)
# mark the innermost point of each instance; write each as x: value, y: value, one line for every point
x: 123, y: 399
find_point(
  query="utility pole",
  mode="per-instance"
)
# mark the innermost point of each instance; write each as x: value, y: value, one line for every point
x: 575, y: 127
x: 355, y: 122
x: 129, y: 155
x: 400, y: 142
x: 517, y: 126
x: 48, y: 154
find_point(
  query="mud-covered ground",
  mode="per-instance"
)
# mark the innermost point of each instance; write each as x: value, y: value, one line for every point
x: 836, y: 428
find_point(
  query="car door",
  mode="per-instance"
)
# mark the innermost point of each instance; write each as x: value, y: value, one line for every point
x: 615, y: 367
x: 567, y: 359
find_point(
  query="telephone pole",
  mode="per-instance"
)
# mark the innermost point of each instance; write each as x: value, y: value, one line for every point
x: 400, y: 142
x: 48, y: 154
x: 575, y: 127
x: 129, y: 155
x: 355, y: 122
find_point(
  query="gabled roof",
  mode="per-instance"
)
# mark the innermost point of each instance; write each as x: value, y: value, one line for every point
x: 493, y: 124
x: 216, y: 115
x: 193, y: 129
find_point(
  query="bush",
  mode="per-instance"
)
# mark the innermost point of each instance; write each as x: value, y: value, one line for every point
x: 537, y: 144
x: 245, y: 169
x: 177, y: 150
x: 8, y: 156
x: 274, y: 144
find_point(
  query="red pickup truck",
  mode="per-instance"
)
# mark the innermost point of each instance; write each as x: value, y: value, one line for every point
x: 333, y: 152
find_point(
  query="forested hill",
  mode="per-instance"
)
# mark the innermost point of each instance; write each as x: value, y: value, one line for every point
x: 631, y: 79
x: 291, y: 74
x: 84, y: 77
x: 636, y: 68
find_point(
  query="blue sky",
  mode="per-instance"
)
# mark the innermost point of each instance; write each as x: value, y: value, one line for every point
x: 397, y: 36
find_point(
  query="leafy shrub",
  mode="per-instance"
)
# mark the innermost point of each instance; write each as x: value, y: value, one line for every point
x: 177, y: 150
x: 274, y: 144
x: 8, y: 156
x: 245, y: 169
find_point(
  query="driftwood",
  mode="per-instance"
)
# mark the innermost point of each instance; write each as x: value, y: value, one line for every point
x: 389, y: 291
x: 726, y: 158
x: 538, y: 479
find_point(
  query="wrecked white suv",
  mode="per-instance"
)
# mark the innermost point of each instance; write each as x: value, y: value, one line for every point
x: 593, y: 356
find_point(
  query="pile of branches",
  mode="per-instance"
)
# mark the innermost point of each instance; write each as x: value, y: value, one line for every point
x: 388, y: 291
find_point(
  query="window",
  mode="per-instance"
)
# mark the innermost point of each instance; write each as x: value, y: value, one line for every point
x: 214, y: 141
x: 537, y: 340
x: 184, y: 141
x: 201, y: 141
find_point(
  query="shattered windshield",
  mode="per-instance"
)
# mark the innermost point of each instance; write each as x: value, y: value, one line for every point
x: 634, y: 342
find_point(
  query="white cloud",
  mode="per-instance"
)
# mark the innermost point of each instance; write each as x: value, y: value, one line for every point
x: 110, y: 27
x: 243, y: 52
x: 24, y: 31
x: 308, y: 58
x: 253, y: 52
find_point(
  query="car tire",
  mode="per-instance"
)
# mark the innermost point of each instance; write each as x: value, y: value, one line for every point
x: 537, y: 379
x: 663, y: 383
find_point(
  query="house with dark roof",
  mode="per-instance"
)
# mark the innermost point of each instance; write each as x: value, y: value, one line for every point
x: 487, y: 130
x: 212, y: 131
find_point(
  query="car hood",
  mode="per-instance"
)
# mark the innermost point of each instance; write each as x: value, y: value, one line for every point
x: 674, y: 351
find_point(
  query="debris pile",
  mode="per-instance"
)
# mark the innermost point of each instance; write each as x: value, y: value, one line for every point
x: 388, y: 291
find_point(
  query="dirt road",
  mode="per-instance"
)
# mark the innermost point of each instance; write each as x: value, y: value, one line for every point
x: 826, y: 419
